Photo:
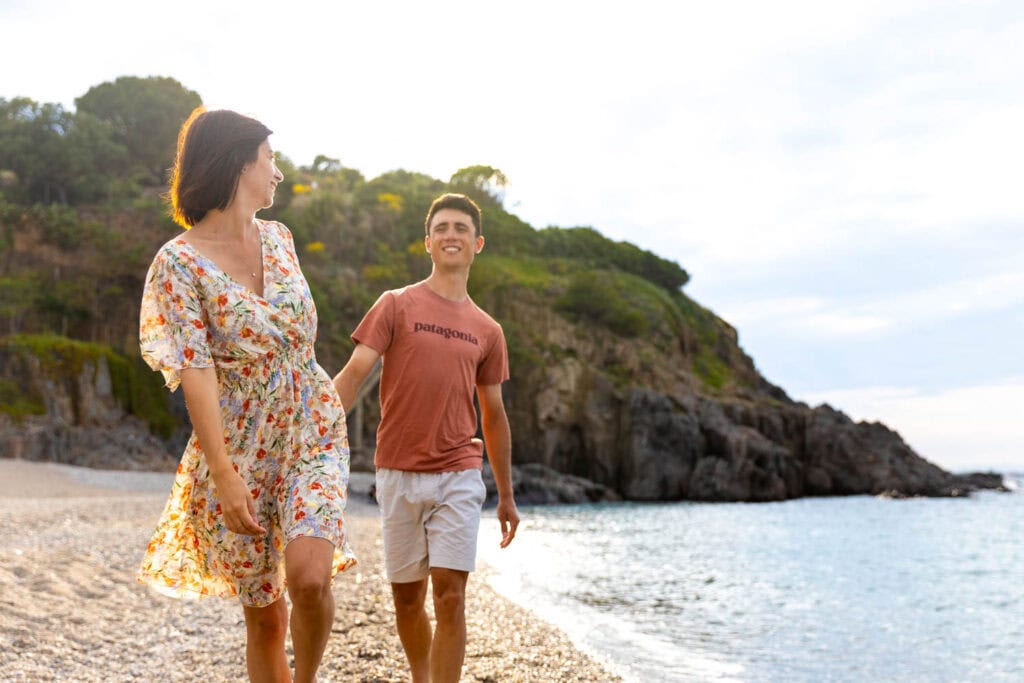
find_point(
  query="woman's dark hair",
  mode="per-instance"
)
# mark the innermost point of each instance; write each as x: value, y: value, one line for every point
x: 213, y: 148
x: 459, y: 202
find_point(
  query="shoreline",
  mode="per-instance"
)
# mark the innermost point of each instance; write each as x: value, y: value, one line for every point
x: 70, y: 608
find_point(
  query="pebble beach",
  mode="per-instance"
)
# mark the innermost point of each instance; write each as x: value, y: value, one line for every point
x: 71, y: 609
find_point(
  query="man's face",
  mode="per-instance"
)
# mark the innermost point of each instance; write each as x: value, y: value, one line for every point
x: 452, y: 240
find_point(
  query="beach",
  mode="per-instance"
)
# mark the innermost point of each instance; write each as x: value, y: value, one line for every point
x: 71, y: 610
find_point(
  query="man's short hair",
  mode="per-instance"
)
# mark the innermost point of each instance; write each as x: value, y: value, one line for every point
x: 459, y: 202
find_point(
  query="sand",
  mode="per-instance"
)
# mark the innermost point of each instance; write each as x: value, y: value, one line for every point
x: 71, y: 610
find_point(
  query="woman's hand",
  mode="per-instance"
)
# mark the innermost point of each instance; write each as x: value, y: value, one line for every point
x: 236, y: 504
x: 203, y: 402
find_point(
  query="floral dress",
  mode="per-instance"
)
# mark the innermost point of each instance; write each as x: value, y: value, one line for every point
x: 284, y: 426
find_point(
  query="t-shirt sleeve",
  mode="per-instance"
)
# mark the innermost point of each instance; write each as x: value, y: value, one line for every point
x: 494, y: 368
x: 173, y: 333
x: 377, y: 327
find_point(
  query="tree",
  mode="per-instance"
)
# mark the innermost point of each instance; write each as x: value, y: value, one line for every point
x: 96, y: 163
x: 145, y: 115
x: 325, y: 165
x: 32, y: 146
x: 481, y: 180
x: 16, y: 301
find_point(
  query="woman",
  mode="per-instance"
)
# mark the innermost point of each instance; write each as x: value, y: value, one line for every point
x: 259, y: 498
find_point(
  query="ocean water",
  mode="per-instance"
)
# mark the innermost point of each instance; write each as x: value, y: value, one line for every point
x: 816, y: 589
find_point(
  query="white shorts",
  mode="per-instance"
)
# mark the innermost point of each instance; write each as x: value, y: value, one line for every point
x: 429, y: 519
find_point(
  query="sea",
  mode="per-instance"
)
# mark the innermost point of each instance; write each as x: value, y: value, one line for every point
x: 854, y: 588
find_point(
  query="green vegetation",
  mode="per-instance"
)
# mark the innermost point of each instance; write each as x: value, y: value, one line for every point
x: 81, y: 216
x: 142, y: 116
x: 120, y: 140
x: 596, y: 250
x: 712, y: 344
x: 16, y: 403
x: 594, y: 296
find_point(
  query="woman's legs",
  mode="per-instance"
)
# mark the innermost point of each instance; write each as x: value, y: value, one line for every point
x: 308, y: 562
x: 265, y: 630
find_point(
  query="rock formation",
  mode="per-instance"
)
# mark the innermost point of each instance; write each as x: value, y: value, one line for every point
x: 74, y: 409
x: 595, y: 416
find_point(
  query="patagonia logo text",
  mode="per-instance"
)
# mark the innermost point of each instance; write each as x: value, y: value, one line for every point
x: 446, y: 332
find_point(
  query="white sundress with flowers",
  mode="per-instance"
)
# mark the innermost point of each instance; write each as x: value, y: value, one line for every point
x: 284, y: 426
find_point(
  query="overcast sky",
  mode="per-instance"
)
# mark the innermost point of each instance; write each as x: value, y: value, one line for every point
x: 841, y: 180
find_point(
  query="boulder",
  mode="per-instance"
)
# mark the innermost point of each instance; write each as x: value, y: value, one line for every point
x: 536, y: 484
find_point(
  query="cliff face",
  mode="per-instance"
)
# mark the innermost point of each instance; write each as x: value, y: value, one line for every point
x: 595, y: 417
x: 620, y: 383
x: 80, y: 404
x: 635, y: 416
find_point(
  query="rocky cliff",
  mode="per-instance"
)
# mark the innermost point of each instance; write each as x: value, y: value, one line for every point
x: 622, y: 386
x: 595, y: 418
x: 82, y: 404
x: 639, y: 417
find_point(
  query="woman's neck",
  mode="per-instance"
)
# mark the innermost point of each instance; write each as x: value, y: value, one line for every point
x: 230, y: 223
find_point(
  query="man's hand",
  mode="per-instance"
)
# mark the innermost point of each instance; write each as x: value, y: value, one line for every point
x: 508, y: 516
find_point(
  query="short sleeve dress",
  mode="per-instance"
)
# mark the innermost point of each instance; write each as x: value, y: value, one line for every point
x: 284, y: 426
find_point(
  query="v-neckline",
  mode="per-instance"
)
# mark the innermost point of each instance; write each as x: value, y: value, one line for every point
x: 263, y: 264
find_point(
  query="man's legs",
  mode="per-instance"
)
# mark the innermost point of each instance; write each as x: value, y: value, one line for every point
x: 451, y: 539
x: 449, y: 647
x: 430, y: 518
x: 413, y: 626
x: 437, y: 656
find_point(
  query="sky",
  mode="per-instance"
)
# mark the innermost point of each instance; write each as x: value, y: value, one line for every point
x: 840, y: 179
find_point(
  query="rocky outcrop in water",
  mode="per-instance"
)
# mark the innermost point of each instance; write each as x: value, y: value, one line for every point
x: 653, y: 431
x: 648, y: 447
x: 536, y: 484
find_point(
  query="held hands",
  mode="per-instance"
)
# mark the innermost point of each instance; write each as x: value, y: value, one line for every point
x: 508, y: 516
x: 237, y: 505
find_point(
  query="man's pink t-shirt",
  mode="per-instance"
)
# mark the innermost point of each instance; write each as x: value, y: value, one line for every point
x: 435, y: 353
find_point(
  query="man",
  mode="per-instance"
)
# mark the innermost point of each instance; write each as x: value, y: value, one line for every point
x: 437, y: 346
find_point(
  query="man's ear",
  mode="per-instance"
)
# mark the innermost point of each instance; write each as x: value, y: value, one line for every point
x: 426, y: 243
x: 479, y: 243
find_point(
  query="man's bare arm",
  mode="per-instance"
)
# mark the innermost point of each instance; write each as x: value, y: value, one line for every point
x: 352, y: 376
x: 498, y: 439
